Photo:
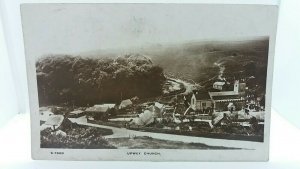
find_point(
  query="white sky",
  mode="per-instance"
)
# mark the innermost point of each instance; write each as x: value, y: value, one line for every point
x: 76, y: 28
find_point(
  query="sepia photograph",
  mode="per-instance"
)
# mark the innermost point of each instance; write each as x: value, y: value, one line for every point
x: 135, y: 100
x: 141, y: 77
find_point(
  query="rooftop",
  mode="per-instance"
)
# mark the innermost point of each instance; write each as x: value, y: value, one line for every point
x: 98, y: 108
x: 224, y: 93
x: 109, y: 105
x: 202, y: 96
x: 76, y: 112
x: 219, y: 83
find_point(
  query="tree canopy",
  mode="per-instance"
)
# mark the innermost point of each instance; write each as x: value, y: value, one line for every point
x: 87, y: 81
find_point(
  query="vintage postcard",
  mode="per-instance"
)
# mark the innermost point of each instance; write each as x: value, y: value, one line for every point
x: 154, y: 82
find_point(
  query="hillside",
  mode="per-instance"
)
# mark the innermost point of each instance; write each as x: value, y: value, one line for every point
x: 201, y: 61
x: 119, y: 74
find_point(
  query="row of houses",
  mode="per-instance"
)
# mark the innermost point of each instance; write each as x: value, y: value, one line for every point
x: 99, y: 111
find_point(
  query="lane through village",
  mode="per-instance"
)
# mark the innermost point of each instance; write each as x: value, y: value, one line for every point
x: 127, y: 133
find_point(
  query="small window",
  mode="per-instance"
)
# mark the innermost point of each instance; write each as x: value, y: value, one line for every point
x: 203, y: 104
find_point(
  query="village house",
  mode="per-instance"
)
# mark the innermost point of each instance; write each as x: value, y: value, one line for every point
x: 218, y: 85
x: 201, y: 102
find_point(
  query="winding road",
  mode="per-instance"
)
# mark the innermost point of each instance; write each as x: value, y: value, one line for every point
x: 125, y: 133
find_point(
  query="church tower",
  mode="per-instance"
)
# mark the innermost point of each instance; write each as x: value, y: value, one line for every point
x: 236, y: 86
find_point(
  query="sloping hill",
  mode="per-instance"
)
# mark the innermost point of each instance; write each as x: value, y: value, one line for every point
x: 204, y: 62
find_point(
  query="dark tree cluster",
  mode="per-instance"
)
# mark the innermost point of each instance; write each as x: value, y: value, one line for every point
x: 77, y: 138
x: 87, y: 81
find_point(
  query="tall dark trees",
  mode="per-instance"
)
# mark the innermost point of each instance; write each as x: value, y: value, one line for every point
x: 86, y: 81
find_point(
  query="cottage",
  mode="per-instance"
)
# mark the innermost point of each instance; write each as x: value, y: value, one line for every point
x: 202, y: 102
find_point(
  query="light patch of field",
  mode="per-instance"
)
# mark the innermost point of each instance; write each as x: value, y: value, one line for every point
x: 151, y: 143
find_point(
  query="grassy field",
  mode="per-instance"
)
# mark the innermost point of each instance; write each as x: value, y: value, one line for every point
x: 151, y: 143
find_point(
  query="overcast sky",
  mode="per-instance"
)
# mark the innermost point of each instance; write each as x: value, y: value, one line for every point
x: 77, y: 28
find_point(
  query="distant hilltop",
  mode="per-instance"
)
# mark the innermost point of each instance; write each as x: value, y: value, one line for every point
x: 136, y: 58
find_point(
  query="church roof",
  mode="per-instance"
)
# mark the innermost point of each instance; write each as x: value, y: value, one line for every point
x: 224, y: 93
x: 97, y: 109
x: 219, y: 83
x: 226, y: 96
x: 202, y: 96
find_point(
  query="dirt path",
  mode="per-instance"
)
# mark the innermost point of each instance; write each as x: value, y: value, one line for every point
x: 188, y: 86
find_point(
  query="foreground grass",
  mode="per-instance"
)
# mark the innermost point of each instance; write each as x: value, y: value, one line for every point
x: 151, y: 143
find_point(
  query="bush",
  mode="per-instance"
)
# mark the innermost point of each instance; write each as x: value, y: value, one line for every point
x: 79, y: 138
